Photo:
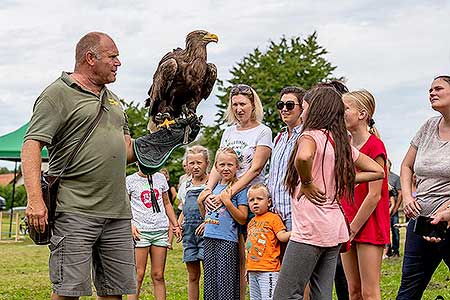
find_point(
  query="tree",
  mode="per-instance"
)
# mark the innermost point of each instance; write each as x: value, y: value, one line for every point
x: 291, y: 62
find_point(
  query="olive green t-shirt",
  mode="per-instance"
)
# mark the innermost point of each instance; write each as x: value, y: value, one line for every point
x: 94, y: 182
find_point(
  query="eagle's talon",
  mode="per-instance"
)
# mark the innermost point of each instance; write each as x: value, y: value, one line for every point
x: 167, y: 122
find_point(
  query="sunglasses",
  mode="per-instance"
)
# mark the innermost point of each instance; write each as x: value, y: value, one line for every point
x: 289, y: 105
x: 241, y: 89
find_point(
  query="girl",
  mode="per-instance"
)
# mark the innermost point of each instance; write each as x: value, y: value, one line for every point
x: 221, y: 259
x: 150, y: 227
x: 368, y: 214
x: 323, y: 162
x: 197, y: 159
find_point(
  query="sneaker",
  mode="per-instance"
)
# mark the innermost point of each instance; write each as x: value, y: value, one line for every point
x: 395, y: 254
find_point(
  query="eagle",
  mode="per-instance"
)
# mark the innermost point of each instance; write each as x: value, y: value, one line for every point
x: 183, y: 78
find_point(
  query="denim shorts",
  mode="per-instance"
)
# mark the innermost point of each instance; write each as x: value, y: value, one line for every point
x: 192, y: 243
x: 153, y: 238
x: 80, y: 245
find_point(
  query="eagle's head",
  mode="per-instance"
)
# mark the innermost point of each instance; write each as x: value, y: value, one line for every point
x: 201, y: 37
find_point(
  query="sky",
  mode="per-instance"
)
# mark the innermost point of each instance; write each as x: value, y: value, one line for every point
x: 392, y: 48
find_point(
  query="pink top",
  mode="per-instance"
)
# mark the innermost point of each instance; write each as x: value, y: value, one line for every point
x: 324, y: 225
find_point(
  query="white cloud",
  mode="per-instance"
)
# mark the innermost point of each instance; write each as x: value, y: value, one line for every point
x: 391, y: 48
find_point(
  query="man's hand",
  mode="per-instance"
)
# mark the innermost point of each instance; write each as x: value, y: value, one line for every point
x: 37, y: 214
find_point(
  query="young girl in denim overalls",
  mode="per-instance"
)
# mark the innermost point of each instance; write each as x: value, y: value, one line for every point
x: 197, y: 160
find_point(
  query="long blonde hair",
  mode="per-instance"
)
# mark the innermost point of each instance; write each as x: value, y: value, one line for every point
x: 364, y: 101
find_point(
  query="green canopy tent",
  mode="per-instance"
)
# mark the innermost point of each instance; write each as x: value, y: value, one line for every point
x: 10, y: 148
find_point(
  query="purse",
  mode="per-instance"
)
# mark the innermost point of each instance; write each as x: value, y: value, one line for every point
x: 50, y: 185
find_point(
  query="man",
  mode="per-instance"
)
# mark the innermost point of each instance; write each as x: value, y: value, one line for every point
x: 290, y: 108
x: 92, y: 226
x: 394, y: 183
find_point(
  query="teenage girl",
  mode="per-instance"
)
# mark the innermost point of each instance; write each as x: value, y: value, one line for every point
x: 323, y: 164
x: 197, y: 159
x: 221, y: 253
x: 368, y: 214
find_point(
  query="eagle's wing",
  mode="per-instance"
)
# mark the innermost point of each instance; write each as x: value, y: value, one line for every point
x: 162, y: 80
x: 209, y: 80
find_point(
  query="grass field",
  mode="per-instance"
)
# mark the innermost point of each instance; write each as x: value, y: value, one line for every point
x: 24, y: 274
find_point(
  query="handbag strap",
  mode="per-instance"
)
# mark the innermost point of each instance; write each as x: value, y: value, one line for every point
x: 85, y: 137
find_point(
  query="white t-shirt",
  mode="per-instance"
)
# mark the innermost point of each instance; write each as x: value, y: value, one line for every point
x: 244, y: 142
x: 184, y: 189
x: 141, y: 204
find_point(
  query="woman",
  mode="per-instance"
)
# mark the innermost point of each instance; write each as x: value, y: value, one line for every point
x: 428, y: 156
x: 252, y: 141
x: 368, y: 213
x: 323, y: 162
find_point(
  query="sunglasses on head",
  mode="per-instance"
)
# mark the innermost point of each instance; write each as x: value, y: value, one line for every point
x: 289, y: 105
x: 241, y: 89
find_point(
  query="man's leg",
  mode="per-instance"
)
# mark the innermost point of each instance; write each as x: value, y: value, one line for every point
x: 395, y: 235
x: 114, y: 266
x: 70, y: 260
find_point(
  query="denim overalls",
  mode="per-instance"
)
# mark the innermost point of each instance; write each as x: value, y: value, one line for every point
x: 192, y: 243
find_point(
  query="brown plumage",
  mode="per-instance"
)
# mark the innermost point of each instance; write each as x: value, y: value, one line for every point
x: 183, y: 78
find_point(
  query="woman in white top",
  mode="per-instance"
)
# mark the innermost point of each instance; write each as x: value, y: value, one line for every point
x: 251, y: 140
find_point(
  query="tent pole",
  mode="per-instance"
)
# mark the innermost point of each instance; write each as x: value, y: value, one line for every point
x: 12, y: 199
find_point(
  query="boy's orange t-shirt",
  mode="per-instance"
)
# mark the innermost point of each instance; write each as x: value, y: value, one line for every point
x: 262, y: 245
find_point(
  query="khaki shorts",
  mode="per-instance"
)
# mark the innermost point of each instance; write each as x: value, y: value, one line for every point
x: 82, y: 245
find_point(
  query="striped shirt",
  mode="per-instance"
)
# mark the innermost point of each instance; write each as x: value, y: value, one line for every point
x: 281, y: 201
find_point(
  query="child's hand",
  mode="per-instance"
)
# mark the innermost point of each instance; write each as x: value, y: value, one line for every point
x: 225, y: 195
x: 177, y: 232
x: 200, y: 229
x: 135, y: 232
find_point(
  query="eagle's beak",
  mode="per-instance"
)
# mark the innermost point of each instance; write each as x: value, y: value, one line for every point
x: 211, y: 37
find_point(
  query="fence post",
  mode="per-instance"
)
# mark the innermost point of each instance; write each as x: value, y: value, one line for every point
x: 17, y: 226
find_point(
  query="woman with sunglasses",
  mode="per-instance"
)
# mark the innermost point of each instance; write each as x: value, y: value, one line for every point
x: 428, y: 156
x: 290, y: 108
x: 252, y: 141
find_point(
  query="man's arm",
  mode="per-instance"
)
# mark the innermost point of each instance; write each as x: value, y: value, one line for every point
x: 36, y: 211
x: 131, y: 157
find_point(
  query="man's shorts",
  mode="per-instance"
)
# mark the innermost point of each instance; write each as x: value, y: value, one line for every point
x: 153, y: 238
x: 80, y: 245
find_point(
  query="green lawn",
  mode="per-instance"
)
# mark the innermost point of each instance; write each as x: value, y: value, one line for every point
x: 24, y: 275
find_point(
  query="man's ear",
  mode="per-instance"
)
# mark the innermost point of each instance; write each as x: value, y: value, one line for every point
x: 90, y: 58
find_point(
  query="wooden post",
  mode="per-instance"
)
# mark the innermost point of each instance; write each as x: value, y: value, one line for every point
x: 17, y: 226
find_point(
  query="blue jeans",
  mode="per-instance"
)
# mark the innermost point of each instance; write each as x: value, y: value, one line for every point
x: 395, y: 247
x: 420, y: 260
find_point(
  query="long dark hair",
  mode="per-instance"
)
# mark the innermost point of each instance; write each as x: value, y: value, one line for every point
x: 326, y: 112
